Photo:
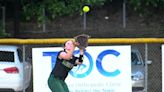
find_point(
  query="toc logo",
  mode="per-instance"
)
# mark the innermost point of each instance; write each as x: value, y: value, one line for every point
x: 84, y: 70
x: 99, y: 63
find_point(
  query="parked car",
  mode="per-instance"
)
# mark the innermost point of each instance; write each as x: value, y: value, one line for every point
x: 15, y: 74
x: 138, y: 70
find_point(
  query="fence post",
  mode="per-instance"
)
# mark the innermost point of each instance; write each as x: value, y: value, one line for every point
x: 3, y: 19
x: 44, y: 20
x: 124, y: 14
x: 146, y: 67
x: 24, y: 51
x: 84, y: 21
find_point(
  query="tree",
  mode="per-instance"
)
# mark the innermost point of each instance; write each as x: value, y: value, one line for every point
x: 146, y: 7
x: 33, y: 9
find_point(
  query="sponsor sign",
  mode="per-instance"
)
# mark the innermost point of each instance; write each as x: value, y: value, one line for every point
x: 105, y: 69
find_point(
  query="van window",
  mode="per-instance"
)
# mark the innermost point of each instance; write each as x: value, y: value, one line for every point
x: 6, y: 56
x: 20, y: 55
x: 135, y: 59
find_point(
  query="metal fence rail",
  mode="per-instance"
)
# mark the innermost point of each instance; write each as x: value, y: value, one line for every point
x: 91, y: 41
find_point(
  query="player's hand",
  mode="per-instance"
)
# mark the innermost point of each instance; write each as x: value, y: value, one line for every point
x: 76, y: 44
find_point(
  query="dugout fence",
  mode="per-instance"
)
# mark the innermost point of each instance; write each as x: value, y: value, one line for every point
x: 150, y: 49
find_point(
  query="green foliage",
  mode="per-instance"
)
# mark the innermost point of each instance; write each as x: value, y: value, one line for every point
x: 146, y: 7
x: 2, y: 31
x: 33, y: 9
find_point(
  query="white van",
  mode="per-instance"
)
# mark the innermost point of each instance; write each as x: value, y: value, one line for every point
x: 15, y: 74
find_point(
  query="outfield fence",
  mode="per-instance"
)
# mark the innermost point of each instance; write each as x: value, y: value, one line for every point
x: 150, y: 49
x: 91, y: 41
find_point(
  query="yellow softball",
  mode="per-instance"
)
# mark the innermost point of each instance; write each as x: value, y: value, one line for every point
x: 86, y: 9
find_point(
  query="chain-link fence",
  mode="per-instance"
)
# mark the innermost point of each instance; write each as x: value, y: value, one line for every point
x: 150, y: 52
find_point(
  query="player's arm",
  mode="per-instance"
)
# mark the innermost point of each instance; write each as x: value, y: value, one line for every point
x: 65, y: 55
x: 81, y: 57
